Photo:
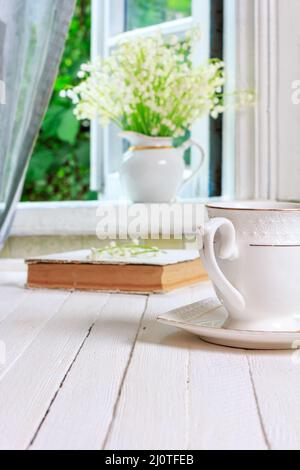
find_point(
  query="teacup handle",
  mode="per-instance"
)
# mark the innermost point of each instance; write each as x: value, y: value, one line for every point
x: 188, y: 144
x: 228, y: 250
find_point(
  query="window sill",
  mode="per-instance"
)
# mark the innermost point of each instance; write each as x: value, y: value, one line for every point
x: 55, y: 219
x: 72, y: 218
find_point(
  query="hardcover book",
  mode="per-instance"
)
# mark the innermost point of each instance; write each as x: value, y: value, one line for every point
x: 167, y: 271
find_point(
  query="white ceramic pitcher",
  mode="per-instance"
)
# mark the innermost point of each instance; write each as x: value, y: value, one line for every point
x: 153, y: 169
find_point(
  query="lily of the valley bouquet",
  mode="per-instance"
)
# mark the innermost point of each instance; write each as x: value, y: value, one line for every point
x: 150, y: 85
x: 152, y: 90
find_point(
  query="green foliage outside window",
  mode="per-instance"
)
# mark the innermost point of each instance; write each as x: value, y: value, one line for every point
x: 141, y: 13
x: 60, y: 165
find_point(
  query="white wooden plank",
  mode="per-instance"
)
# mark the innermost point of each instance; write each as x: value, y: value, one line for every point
x: 12, y: 279
x: 222, y: 407
x: 31, y: 313
x: 276, y: 380
x: 66, y: 386
x: 12, y: 292
x: 151, y: 413
x: 81, y: 415
x: 16, y: 265
x: 181, y: 393
x: 221, y: 397
x: 29, y: 387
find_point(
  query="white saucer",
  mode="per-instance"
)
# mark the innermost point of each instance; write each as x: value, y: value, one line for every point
x: 207, y: 319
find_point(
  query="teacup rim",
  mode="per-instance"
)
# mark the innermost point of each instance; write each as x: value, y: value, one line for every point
x: 255, y: 205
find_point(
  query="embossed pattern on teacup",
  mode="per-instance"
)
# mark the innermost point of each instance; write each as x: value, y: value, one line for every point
x: 263, y: 228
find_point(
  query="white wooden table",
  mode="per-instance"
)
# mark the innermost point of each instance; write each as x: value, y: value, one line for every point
x: 96, y: 371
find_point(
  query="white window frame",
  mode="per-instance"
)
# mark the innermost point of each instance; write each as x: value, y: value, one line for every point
x: 263, y: 152
x: 106, y: 14
x: 258, y: 154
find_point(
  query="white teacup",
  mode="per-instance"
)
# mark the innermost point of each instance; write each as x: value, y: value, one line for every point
x: 251, y: 252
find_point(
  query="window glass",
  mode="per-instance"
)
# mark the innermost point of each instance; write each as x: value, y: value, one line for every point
x: 60, y: 165
x: 141, y: 13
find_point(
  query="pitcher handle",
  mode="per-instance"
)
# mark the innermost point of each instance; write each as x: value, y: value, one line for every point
x: 228, y: 250
x: 188, y: 144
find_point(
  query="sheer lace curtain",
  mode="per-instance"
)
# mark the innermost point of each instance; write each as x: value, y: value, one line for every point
x: 32, y: 37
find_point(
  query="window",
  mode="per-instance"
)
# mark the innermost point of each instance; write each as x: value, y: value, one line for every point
x: 254, y: 153
x: 142, y: 13
x: 72, y: 163
x: 60, y: 165
x: 113, y: 19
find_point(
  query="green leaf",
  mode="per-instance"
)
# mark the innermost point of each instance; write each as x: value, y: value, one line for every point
x: 40, y: 164
x: 69, y: 128
x: 52, y: 120
x: 83, y: 154
x: 63, y: 82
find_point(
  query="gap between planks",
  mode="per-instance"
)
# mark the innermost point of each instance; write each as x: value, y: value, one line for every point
x: 144, y: 403
x: 73, y: 423
x: 259, y: 413
x: 67, y: 373
x: 110, y: 427
x: 120, y: 389
x: 237, y: 367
